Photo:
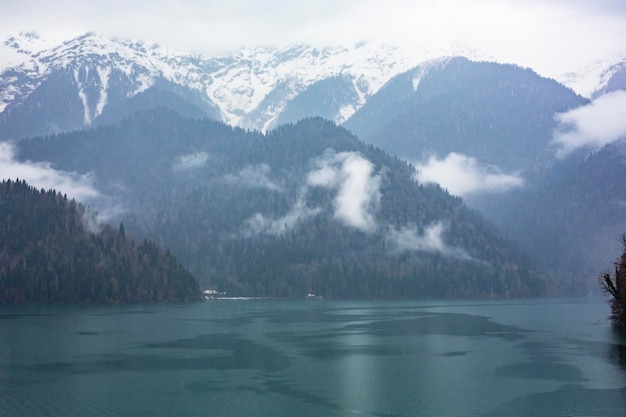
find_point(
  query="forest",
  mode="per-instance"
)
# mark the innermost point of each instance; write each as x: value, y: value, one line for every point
x: 52, y: 253
x: 242, y: 211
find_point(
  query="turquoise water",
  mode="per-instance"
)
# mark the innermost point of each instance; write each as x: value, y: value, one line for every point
x: 549, y: 357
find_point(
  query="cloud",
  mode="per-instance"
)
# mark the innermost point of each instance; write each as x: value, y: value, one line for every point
x: 254, y: 176
x: 409, y: 238
x: 594, y: 125
x: 191, y: 161
x: 463, y: 175
x: 358, y: 189
x: 348, y: 173
x: 261, y: 225
x: 550, y: 35
x: 42, y: 175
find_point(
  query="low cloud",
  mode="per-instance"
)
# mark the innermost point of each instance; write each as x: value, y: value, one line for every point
x: 351, y: 175
x: 107, y: 211
x: 409, y: 238
x: 43, y: 175
x: 191, y: 161
x: 254, y: 176
x: 463, y: 175
x: 592, y: 126
x: 358, y: 188
x: 261, y: 225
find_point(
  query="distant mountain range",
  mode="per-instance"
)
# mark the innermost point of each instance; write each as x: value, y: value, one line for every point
x: 93, y: 80
x: 93, y: 76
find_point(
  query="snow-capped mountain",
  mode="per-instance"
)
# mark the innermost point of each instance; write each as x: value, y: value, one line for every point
x: 74, y: 84
x: 254, y: 86
x: 48, y: 87
x: 250, y: 89
x: 598, y: 78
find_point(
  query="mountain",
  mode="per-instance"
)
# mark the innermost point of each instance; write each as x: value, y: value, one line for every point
x: 89, y: 80
x: 48, y: 87
x: 479, y: 116
x: 498, y: 117
x: 306, y: 208
x: 570, y: 216
x: 92, y: 80
x: 502, y: 115
x: 615, y: 76
x: 50, y: 255
x: 598, y: 79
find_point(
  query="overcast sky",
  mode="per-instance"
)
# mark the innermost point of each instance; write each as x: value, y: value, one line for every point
x: 551, y: 36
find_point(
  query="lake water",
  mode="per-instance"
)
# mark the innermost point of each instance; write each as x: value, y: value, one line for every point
x: 548, y: 357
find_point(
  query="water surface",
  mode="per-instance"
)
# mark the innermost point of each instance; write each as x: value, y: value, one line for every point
x: 550, y: 357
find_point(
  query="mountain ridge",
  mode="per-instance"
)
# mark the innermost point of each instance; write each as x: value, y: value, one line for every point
x: 250, y: 88
x: 501, y: 114
x: 304, y: 208
x: 238, y: 85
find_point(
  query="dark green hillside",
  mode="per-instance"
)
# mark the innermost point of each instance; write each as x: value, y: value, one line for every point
x: 571, y: 216
x: 275, y: 214
x: 500, y: 114
x: 47, y: 255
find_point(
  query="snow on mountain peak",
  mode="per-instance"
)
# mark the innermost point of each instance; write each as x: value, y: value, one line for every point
x: 251, y: 87
x: 592, y: 80
x: 24, y: 44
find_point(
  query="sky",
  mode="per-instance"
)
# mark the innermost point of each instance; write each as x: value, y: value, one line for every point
x: 550, y: 36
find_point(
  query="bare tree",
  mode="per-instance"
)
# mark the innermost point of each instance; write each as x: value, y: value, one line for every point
x: 616, y: 286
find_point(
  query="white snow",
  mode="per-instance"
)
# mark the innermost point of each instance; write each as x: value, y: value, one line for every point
x: 103, y: 75
x: 83, y: 98
x: 592, y: 78
x: 425, y: 67
x: 250, y: 88
x: 345, y: 112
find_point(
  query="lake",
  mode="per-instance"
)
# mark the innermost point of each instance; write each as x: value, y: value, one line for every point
x: 545, y: 357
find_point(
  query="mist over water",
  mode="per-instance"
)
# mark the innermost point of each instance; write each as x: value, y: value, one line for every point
x: 314, y: 358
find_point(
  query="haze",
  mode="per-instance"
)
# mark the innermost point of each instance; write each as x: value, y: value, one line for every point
x: 552, y: 37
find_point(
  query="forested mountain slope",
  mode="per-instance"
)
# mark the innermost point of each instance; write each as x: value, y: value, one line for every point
x: 502, y: 115
x: 48, y: 255
x: 570, y: 217
x: 307, y: 208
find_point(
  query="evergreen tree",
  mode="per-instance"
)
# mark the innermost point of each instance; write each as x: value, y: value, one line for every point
x: 238, y: 210
x: 47, y: 255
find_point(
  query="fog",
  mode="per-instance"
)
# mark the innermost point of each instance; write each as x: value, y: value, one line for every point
x: 358, y: 187
x: 463, y: 175
x: 254, y: 176
x: 591, y: 126
x: 410, y: 238
x: 44, y: 175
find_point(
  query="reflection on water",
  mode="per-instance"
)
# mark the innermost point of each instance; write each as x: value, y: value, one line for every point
x: 618, y: 347
x: 312, y: 358
x: 543, y: 360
